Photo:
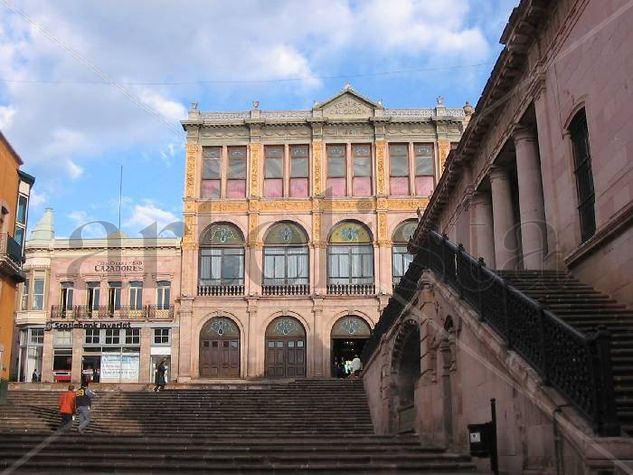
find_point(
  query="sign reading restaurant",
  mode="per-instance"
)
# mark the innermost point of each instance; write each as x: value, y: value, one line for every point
x: 85, y: 325
x: 119, y: 266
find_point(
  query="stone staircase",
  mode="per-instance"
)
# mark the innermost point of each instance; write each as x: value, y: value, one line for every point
x: 321, y: 426
x: 586, y: 309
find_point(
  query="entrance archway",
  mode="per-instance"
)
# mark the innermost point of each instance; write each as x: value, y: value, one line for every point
x: 285, y: 348
x: 406, y: 372
x: 220, y: 349
x: 348, y: 338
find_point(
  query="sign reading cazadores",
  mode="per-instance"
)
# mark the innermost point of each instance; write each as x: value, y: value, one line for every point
x: 85, y: 325
x: 119, y: 266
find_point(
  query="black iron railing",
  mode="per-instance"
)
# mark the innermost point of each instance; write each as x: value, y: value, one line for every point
x: 87, y: 312
x: 577, y: 365
x: 351, y: 289
x: 220, y: 290
x: 285, y: 289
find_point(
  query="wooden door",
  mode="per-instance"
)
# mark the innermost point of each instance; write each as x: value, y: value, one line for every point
x: 285, y: 357
x: 220, y: 358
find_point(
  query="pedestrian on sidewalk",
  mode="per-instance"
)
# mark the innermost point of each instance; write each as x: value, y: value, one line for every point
x: 161, y: 369
x: 35, y: 378
x: 67, y: 406
x: 84, y: 402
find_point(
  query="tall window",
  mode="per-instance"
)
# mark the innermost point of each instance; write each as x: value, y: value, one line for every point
x: 211, y: 172
x: 114, y: 296
x: 236, y: 173
x: 584, y: 176
x: 286, y: 256
x: 161, y: 336
x: 38, y: 293
x: 136, y: 295
x: 94, y: 291
x: 222, y: 256
x: 299, y: 171
x: 24, y: 301
x: 66, y: 300
x: 20, y: 219
x: 424, y: 169
x: 400, y: 256
x: 336, y: 170
x: 163, y: 291
x: 350, y: 256
x: 399, y: 169
x: 273, y: 171
x: 361, y: 159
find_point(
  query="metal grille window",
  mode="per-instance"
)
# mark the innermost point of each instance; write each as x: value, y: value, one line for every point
x: 161, y: 336
x: 112, y: 336
x: 584, y: 176
x: 133, y: 336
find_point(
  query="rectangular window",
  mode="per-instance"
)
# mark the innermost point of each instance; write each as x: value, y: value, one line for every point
x: 399, y: 169
x: 94, y: 292
x: 93, y: 336
x: 66, y: 300
x: 350, y: 264
x: 112, y: 336
x: 136, y: 295
x: 299, y: 171
x: 236, y: 173
x: 579, y: 133
x: 38, y: 293
x: 336, y: 170
x: 161, y: 336
x: 424, y: 169
x: 20, y: 217
x: 401, y: 260
x: 211, y: 172
x: 361, y: 182
x: 114, y: 296
x: 62, y: 339
x: 24, y: 301
x: 36, y: 336
x: 133, y: 336
x: 162, y: 294
x: 273, y: 171
x: 222, y: 266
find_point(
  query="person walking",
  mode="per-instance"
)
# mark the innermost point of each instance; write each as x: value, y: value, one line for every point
x: 67, y: 407
x: 84, y: 404
x: 160, y: 376
x: 357, y: 366
x: 35, y: 378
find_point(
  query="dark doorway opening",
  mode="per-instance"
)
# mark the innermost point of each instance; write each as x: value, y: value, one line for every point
x: 343, y: 352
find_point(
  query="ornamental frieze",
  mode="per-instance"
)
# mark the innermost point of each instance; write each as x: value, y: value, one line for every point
x: 348, y: 205
x: 287, y: 132
x: 407, y: 204
x: 225, y: 132
x: 411, y: 129
x: 341, y: 130
x: 285, y: 205
x: 222, y: 206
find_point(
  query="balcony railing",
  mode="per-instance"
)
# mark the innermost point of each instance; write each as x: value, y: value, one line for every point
x: 11, y: 257
x: 220, y: 290
x: 86, y: 312
x: 351, y: 289
x: 286, y: 289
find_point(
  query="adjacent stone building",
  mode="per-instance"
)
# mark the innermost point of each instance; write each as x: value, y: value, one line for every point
x: 296, y: 225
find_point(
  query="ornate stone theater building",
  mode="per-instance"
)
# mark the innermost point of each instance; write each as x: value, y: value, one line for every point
x: 296, y: 224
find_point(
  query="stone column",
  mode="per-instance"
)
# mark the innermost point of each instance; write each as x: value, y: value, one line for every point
x: 533, y: 237
x: 145, y: 356
x: 503, y: 219
x: 185, y: 341
x: 78, y: 347
x: 482, y: 241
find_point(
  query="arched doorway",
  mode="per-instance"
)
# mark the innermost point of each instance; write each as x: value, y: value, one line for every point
x: 348, y: 335
x: 285, y: 348
x: 220, y: 349
x: 406, y: 371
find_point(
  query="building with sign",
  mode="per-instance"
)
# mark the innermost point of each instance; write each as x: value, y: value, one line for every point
x: 296, y: 224
x: 15, y: 190
x: 101, y: 309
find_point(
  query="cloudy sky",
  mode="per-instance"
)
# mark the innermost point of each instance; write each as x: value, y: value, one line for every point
x: 86, y: 87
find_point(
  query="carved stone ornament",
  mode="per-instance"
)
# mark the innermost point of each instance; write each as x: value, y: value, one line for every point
x: 222, y: 206
x: 444, y: 148
x: 347, y: 106
x: 382, y: 227
x: 317, y: 149
x: 256, y: 149
x: 190, y: 173
x: 380, y: 166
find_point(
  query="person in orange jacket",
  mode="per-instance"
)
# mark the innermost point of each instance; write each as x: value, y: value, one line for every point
x: 67, y: 406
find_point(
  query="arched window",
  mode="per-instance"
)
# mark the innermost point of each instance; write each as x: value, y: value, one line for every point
x: 286, y: 263
x: 400, y: 256
x: 221, y: 270
x: 350, y: 259
x: 584, y: 176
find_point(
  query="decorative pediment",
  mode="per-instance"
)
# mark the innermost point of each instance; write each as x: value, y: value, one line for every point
x: 348, y: 103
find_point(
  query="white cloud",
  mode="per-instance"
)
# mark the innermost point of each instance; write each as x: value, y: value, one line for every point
x: 37, y: 199
x: 86, y: 226
x: 151, y: 219
x: 6, y: 116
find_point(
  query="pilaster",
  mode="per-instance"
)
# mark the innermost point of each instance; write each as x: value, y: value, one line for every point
x: 503, y: 219
x: 481, y: 234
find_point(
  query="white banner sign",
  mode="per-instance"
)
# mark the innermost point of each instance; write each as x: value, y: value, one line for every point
x: 117, y: 367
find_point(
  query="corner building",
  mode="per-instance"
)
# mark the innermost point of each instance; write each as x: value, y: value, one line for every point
x: 296, y: 224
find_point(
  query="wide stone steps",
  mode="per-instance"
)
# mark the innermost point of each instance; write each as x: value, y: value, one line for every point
x: 323, y: 427
x: 587, y: 310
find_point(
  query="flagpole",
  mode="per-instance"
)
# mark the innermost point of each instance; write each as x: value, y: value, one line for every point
x: 120, y: 194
